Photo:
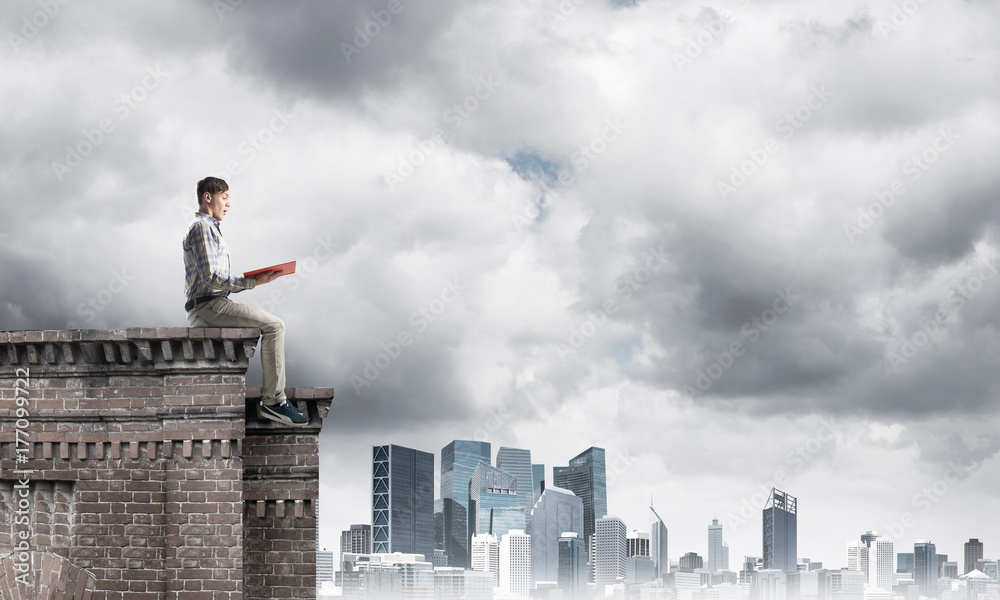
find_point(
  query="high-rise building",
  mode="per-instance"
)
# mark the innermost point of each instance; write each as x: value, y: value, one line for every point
x: 324, y: 567
x: 557, y: 513
x: 357, y: 539
x: 973, y: 552
x: 925, y: 568
x: 780, y: 531
x: 515, y: 565
x: 586, y: 476
x: 572, y: 570
x: 941, y: 560
x: 690, y: 561
x: 718, y: 551
x: 881, y: 565
x: 658, y: 545
x: 517, y: 462
x: 868, y: 537
x: 459, y: 460
x: 638, y: 543
x: 904, y: 562
x: 537, y: 480
x: 490, y: 488
x: 611, y: 550
x: 402, y: 501
x: 857, y: 557
x: 486, y: 555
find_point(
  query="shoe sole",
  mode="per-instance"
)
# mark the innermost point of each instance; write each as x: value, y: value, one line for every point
x: 278, y: 418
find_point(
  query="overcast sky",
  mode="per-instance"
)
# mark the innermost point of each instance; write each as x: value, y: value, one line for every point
x: 734, y: 243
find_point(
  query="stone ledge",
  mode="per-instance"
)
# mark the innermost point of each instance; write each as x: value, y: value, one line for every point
x: 312, y: 402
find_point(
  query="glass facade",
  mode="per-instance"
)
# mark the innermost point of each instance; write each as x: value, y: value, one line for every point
x: 586, y: 476
x: 557, y: 512
x: 402, y: 501
x: 517, y: 462
x: 781, y: 532
x: 489, y: 488
x: 459, y: 460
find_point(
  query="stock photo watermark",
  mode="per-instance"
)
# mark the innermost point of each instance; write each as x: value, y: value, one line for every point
x: 89, y: 309
x: 22, y: 490
x: 791, y: 121
x: 371, y: 28
x: 924, y: 499
x: 322, y: 252
x: 92, y: 138
x: 33, y: 24
x: 420, y: 320
x: 795, y: 460
x: 914, y: 167
x: 909, y: 346
x: 898, y: 18
x: 455, y: 115
x: 626, y: 286
x: 751, y: 332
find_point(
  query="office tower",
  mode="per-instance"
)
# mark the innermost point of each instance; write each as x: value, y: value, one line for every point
x: 572, y: 569
x: 904, y: 562
x: 718, y: 551
x: 941, y: 560
x: 881, y: 567
x: 586, y: 477
x: 658, y: 545
x: 973, y: 552
x: 537, y: 480
x: 557, y: 513
x: 868, y: 537
x: 459, y: 460
x: 486, y: 555
x: 638, y: 569
x: 949, y: 569
x: 402, y: 501
x: 771, y: 584
x: 515, y: 565
x: 611, y: 550
x: 517, y: 462
x: 357, y: 539
x: 780, y: 531
x: 638, y: 543
x: 324, y: 567
x: 489, y: 488
x: 925, y: 568
x: 748, y: 574
x: 857, y: 557
x: 690, y: 561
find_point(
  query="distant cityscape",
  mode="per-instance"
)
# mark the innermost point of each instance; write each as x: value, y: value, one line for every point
x: 499, y: 530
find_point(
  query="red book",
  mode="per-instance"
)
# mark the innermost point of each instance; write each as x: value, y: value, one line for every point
x: 283, y: 269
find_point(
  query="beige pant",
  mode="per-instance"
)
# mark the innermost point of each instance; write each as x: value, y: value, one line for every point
x: 223, y: 312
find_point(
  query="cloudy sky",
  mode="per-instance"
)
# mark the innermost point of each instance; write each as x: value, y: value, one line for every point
x: 736, y: 243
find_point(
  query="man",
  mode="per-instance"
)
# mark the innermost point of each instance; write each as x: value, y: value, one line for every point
x: 207, y: 285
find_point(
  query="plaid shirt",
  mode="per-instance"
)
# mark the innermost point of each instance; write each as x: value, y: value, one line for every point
x: 206, y: 261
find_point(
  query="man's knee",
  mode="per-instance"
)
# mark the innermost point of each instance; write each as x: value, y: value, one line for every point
x: 274, y: 325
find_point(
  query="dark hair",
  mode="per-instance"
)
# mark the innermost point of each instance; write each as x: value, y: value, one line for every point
x: 212, y: 185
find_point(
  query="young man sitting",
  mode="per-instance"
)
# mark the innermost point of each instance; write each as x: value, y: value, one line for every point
x: 208, y: 281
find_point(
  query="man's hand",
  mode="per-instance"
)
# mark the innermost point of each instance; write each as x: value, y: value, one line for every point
x: 265, y: 277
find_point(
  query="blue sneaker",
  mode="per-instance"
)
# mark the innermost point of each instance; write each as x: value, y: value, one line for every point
x: 283, y: 413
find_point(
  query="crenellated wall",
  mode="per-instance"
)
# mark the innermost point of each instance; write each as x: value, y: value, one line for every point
x: 133, y: 466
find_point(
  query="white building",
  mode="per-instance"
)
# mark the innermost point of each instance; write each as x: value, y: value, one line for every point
x: 515, y: 565
x: 771, y: 584
x: 611, y: 551
x: 486, y: 555
x: 456, y: 583
x: 881, y: 565
x: 857, y: 557
x: 396, y: 575
x: 638, y: 543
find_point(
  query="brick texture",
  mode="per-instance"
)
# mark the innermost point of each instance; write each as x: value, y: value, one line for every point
x: 150, y: 475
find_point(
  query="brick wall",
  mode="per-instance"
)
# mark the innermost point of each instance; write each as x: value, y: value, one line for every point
x: 146, y: 477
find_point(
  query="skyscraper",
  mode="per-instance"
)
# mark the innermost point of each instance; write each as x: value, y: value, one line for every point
x: 556, y: 513
x: 611, y: 550
x: 857, y: 557
x: 780, y: 532
x: 718, y: 551
x: 357, y: 539
x: 586, y: 476
x: 881, y: 567
x: 458, y: 462
x: 486, y: 555
x: 515, y: 564
x: 402, y: 501
x: 537, y: 480
x: 572, y: 572
x: 925, y: 568
x: 658, y: 544
x: 868, y: 537
x: 489, y: 488
x: 973, y: 552
x: 638, y: 543
x: 517, y: 462
x: 689, y: 562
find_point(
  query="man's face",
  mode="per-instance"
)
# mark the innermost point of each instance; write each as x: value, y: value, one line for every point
x: 218, y: 205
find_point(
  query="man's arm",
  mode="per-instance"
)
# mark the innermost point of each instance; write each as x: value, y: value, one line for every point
x: 211, y: 264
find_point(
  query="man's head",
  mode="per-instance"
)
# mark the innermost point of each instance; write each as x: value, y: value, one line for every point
x: 213, y: 197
